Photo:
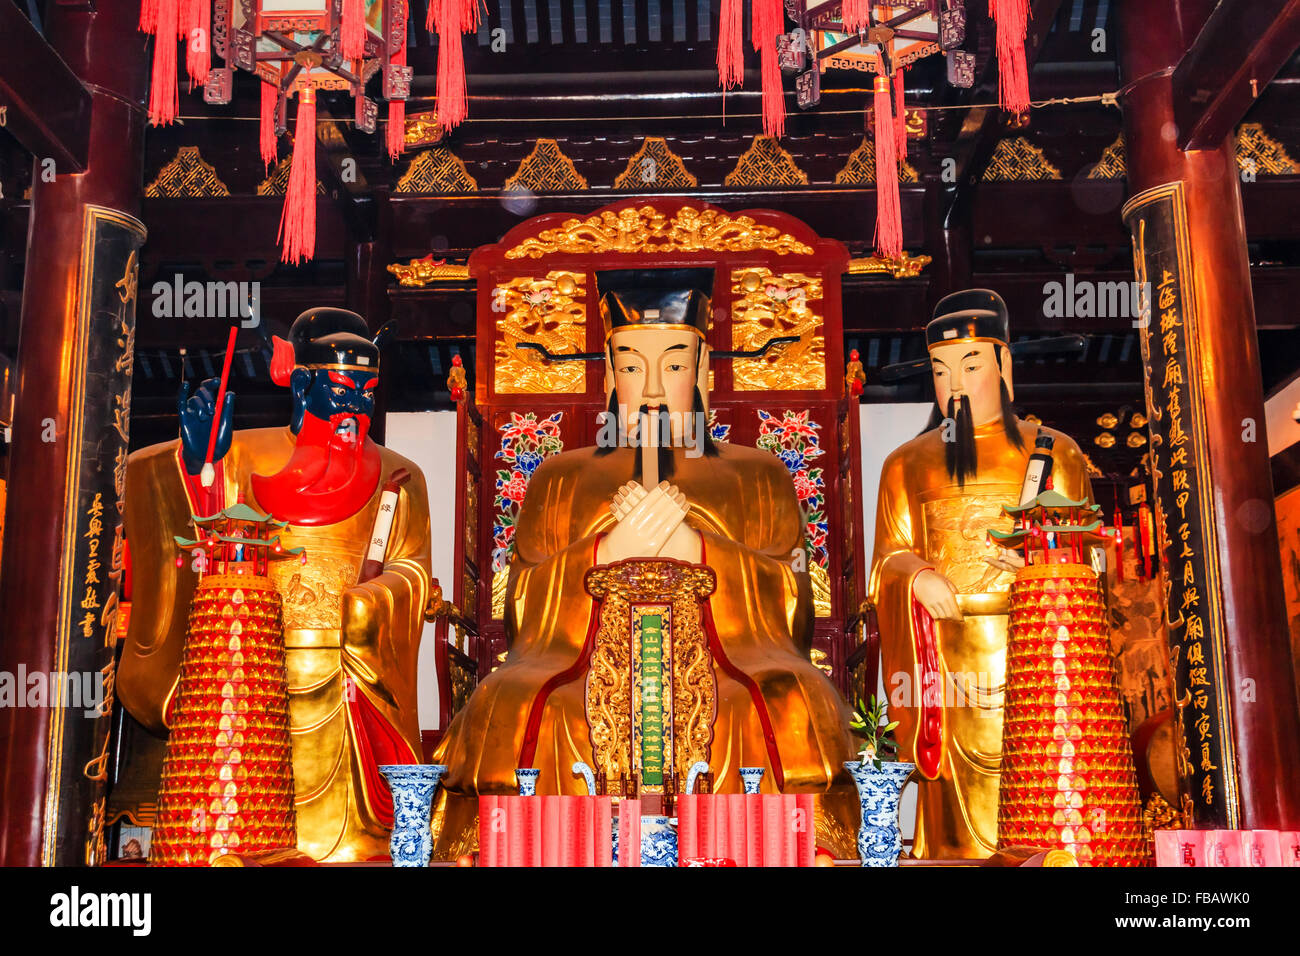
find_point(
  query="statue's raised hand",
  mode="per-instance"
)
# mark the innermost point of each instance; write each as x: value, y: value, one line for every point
x: 195, y: 412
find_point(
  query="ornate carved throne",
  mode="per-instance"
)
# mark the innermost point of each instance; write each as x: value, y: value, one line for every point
x: 774, y: 277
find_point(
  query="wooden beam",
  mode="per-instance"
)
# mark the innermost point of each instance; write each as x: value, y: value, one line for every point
x: 1237, y: 53
x: 42, y: 102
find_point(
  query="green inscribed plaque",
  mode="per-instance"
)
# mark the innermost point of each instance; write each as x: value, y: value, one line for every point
x: 652, y: 708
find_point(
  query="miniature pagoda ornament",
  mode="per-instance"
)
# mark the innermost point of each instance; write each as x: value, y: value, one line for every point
x: 227, y: 776
x: 1068, y: 780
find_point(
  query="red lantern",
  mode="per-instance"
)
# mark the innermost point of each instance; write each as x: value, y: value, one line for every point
x: 319, y: 44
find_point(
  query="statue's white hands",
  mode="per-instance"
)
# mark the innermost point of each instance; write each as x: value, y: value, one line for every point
x: 937, y: 595
x: 626, y: 498
x: 650, y: 524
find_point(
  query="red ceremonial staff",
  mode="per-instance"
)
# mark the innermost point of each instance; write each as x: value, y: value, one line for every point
x: 208, y: 474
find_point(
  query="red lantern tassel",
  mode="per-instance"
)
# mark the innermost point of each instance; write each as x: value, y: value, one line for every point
x: 889, y: 209
x: 856, y: 15
x: 148, y: 16
x: 900, y: 117
x: 164, y: 101
x: 731, y: 55
x: 352, y: 32
x: 1012, y: 19
x: 397, y: 115
x: 298, y: 221
x: 767, y: 19
x: 198, y: 49
x: 448, y: 17
x: 187, y: 18
x: 266, y: 123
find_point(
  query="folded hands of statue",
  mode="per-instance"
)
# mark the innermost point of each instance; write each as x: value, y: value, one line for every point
x: 649, y: 524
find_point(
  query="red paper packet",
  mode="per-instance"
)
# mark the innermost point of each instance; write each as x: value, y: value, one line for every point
x: 1180, y: 848
x: 1288, y: 845
x: 1260, y: 848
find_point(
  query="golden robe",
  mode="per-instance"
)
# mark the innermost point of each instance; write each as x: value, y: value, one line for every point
x: 334, y: 629
x: 744, y: 506
x: 924, y: 520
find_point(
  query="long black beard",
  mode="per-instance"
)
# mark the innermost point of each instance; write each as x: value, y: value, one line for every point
x: 656, y: 424
x: 954, y: 455
x: 960, y: 454
x: 665, y: 453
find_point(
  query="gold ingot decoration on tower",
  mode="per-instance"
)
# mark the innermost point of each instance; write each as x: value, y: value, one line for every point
x: 227, y: 777
x: 1068, y: 781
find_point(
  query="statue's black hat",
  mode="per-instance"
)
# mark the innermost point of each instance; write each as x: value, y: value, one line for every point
x: 656, y: 298
x: 332, y: 337
x: 974, y: 315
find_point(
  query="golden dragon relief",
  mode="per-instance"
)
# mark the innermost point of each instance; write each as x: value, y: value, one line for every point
x: 645, y: 229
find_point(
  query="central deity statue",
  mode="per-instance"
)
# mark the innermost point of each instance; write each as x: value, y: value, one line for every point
x: 728, y: 507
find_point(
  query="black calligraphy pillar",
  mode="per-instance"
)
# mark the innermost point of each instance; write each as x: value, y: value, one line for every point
x: 1228, y: 634
x: 63, y: 553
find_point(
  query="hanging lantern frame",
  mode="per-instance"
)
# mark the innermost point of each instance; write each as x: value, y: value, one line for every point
x: 292, y: 65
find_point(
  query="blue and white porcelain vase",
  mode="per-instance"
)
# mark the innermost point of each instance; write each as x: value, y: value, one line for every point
x: 527, y: 781
x: 752, y: 778
x: 658, y: 841
x: 879, y: 839
x: 413, y: 787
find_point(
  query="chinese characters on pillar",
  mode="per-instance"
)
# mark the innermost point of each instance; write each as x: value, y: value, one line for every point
x: 94, y: 554
x: 1184, y: 504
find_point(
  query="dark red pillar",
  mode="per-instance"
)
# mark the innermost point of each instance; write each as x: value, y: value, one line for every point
x: 41, y: 823
x: 1241, y: 604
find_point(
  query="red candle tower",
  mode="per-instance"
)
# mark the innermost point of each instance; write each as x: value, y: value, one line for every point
x: 227, y: 777
x: 1068, y: 780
